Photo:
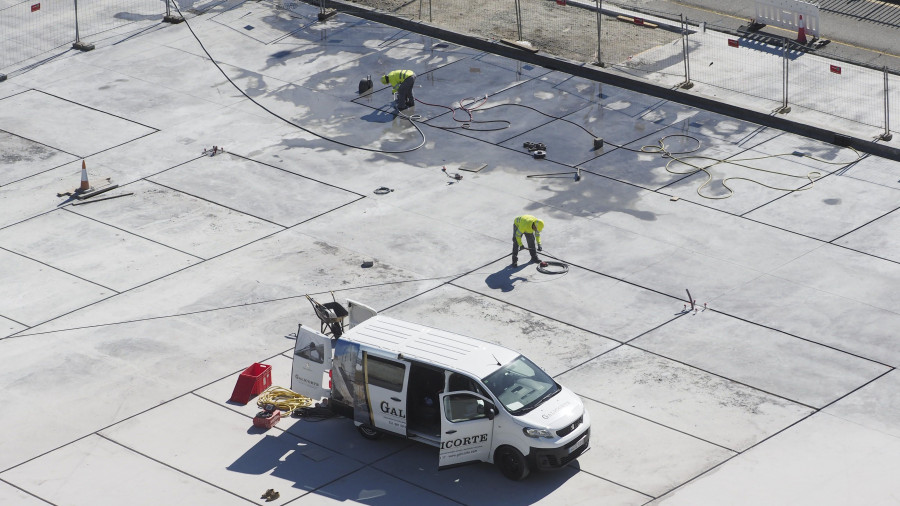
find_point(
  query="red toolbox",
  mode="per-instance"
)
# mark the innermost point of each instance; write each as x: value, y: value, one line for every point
x: 266, y: 419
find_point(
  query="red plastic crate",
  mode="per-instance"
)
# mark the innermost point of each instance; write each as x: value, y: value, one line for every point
x: 252, y: 381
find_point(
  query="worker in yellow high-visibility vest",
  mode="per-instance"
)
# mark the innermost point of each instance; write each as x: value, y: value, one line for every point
x: 402, y: 82
x: 530, y: 227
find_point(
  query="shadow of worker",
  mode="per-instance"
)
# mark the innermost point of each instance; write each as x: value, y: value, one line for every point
x: 505, y: 279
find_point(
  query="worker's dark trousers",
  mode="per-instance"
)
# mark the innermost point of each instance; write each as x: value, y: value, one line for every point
x: 531, y: 249
x: 405, y: 93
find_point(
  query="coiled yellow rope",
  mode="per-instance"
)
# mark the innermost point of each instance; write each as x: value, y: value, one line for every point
x: 283, y: 399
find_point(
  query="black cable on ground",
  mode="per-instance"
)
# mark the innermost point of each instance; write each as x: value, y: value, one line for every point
x: 289, y: 122
x: 315, y: 413
x: 664, y: 151
x: 467, y: 123
x: 542, y: 268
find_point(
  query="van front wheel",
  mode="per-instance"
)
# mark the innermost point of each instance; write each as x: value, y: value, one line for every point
x: 368, y: 432
x: 511, y: 463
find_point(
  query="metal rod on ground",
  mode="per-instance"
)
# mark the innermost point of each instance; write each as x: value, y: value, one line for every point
x: 81, y: 46
x: 598, y: 4
x: 886, y: 136
x: 77, y: 35
x: 101, y: 200
x: 420, y: 10
x: 687, y: 84
x: 430, y: 19
x: 785, y: 69
x: 519, y: 21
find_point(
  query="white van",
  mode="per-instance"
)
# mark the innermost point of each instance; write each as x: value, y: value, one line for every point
x: 474, y: 400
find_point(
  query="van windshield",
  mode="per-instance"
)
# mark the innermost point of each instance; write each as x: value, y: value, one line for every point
x: 521, y: 386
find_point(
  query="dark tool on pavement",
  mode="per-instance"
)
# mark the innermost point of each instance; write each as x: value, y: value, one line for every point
x: 365, y: 84
x: 456, y: 175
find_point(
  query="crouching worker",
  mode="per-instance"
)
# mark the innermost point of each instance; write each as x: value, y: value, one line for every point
x: 530, y: 227
x: 402, y: 82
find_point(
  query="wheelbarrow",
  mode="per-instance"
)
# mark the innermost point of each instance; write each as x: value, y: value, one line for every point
x: 331, y: 316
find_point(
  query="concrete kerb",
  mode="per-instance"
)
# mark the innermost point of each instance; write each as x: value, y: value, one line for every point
x: 606, y: 76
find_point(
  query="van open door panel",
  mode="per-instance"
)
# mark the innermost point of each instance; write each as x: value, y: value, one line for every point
x: 359, y: 312
x: 312, y: 364
x: 467, y: 428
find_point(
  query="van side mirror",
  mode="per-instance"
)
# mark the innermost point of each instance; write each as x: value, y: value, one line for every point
x: 491, y: 412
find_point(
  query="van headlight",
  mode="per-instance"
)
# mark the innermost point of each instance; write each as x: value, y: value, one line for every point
x: 531, y: 432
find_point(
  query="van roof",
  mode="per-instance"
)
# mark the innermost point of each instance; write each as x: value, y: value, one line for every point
x: 431, y: 345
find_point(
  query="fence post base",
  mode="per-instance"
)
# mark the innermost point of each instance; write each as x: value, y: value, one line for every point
x: 686, y: 85
x: 327, y: 13
x: 171, y: 18
x: 83, y: 46
x: 783, y: 110
x: 885, y: 136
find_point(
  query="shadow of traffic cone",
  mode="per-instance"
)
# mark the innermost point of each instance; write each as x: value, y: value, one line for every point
x: 801, y: 32
x: 85, y: 185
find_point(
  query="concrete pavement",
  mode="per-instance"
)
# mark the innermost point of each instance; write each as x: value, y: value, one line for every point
x: 124, y: 323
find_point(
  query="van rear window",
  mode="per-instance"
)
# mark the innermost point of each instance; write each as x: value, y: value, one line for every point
x: 385, y: 374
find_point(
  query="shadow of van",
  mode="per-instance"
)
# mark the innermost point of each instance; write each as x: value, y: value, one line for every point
x: 384, y: 472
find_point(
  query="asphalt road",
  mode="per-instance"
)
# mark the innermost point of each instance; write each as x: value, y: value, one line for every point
x: 866, y: 31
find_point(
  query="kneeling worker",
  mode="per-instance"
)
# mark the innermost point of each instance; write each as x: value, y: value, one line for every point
x: 530, y: 227
x: 402, y: 82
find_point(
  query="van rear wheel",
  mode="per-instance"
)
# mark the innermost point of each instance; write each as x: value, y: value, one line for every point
x: 369, y: 432
x: 512, y: 463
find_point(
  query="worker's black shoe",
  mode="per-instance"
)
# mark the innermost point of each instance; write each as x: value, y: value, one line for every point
x: 515, y: 263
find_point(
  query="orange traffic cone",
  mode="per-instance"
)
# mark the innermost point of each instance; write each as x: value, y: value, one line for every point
x: 85, y: 185
x: 801, y: 32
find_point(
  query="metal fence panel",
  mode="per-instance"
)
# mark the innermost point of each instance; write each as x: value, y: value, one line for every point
x: 98, y: 16
x: 561, y: 28
x: 894, y: 102
x: 399, y: 8
x: 495, y: 19
x: 640, y: 49
x: 846, y: 91
x: 29, y: 29
x: 737, y: 64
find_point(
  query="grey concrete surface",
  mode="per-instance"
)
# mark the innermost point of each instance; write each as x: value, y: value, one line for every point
x: 124, y: 323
